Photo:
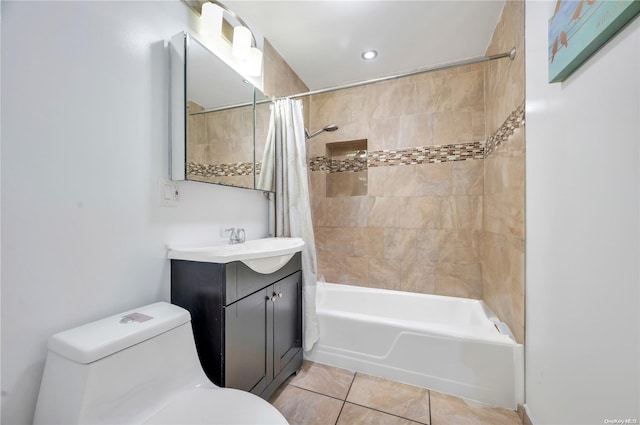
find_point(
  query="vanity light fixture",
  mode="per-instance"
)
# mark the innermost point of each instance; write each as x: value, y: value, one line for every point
x: 369, y: 54
x: 211, y: 20
x: 241, y: 46
x: 255, y: 62
x: 244, y: 46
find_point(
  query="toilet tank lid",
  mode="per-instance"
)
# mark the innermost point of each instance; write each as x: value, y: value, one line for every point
x: 99, y: 339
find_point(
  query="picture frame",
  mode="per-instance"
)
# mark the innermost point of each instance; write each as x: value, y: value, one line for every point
x: 578, y: 28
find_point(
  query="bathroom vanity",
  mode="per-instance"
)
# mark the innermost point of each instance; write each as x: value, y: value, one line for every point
x: 247, y: 325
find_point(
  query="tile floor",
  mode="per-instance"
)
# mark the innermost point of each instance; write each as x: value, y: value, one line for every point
x: 325, y: 395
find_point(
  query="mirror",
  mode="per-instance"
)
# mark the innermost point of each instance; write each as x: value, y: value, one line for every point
x: 219, y: 121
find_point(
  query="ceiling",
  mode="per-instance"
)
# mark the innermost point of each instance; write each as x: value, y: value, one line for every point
x: 323, y: 40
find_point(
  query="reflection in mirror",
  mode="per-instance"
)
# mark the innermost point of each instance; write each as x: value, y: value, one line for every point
x: 220, y: 120
x: 265, y: 145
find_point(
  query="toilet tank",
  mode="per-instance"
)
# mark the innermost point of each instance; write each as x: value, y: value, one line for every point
x: 120, y: 369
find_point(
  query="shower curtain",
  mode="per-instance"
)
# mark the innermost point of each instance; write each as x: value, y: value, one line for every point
x: 293, y: 208
x: 267, y: 170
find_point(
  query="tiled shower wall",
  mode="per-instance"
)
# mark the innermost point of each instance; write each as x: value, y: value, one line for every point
x: 220, y: 146
x: 419, y: 228
x: 503, y: 207
x: 437, y: 217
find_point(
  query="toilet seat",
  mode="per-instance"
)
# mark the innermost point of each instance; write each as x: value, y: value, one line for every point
x: 217, y: 406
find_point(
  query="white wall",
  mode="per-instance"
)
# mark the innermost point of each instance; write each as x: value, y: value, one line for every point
x: 583, y: 232
x: 84, y: 142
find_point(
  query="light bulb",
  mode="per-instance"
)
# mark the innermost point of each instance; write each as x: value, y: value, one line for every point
x: 255, y: 62
x: 211, y: 20
x: 369, y: 54
x: 241, y: 42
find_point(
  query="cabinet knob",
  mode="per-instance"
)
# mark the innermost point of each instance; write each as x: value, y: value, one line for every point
x: 274, y: 297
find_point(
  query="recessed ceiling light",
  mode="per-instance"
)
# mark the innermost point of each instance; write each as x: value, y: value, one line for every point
x: 369, y: 54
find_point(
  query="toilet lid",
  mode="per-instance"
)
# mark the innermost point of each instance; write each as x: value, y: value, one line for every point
x: 213, y: 406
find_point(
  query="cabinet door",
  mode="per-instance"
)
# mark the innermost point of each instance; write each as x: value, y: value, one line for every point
x: 246, y: 344
x: 287, y: 320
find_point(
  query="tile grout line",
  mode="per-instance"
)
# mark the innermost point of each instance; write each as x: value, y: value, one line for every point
x: 430, y: 420
x: 315, y: 392
x: 388, y: 413
x: 382, y: 411
x: 345, y: 397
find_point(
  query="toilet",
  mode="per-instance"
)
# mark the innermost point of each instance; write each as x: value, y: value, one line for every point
x: 138, y: 367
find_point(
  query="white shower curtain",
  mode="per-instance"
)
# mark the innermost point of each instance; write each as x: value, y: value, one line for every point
x: 268, y: 169
x: 293, y: 208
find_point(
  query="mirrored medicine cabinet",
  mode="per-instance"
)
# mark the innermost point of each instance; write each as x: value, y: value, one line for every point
x: 219, y: 121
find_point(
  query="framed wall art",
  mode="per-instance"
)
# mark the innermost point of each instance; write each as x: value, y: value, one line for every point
x: 578, y: 28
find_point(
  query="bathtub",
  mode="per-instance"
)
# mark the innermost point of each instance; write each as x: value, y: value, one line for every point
x: 451, y: 345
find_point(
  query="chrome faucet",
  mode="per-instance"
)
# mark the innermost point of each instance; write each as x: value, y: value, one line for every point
x: 236, y: 236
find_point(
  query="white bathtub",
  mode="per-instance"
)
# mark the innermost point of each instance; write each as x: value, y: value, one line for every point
x: 451, y: 345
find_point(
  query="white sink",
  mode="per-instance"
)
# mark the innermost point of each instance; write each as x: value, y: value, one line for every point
x: 261, y: 255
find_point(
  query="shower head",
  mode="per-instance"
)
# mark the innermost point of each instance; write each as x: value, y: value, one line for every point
x: 330, y: 127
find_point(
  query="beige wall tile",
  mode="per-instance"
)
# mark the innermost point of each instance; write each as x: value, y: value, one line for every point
x: 399, y: 180
x: 434, y: 179
x: 503, y: 222
x: 400, y: 244
x: 503, y: 280
x: 461, y: 246
x: 355, y: 271
x: 328, y: 268
x: 429, y: 245
x: 415, y: 130
x: 354, y: 211
x: 444, y: 128
x: 412, y: 215
x: 279, y: 79
x: 443, y: 204
x: 461, y: 212
x: 385, y: 212
x: 459, y: 280
x: 384, y: 133
x: 468, y: 91
x: 468, y: 177
x: 384, y: 273
x: 434, y: 92
x: 369, y: 242
x: 417, y: 276
x: 334, y: 240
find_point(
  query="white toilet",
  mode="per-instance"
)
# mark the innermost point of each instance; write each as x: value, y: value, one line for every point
x: 138, y: 367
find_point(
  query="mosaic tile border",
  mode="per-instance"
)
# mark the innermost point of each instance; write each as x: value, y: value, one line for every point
x: 506, y: 130
x: 425, y: 154
x: 409, y: 156
x: 222, y: 170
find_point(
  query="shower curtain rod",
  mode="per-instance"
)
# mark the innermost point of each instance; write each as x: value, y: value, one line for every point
x: 511, y: 55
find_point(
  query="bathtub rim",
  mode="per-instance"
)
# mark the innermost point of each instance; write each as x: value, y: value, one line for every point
x: 504, y: 336
x: 509, y: 396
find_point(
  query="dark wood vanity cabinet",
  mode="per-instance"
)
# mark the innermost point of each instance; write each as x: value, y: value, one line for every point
x: 247, y: 326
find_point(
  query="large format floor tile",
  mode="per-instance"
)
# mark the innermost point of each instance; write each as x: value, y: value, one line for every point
x: 325, y: 395
x: 446, y: 409
x: 323, y: 379
x: 392, y: 397
x: 352, y: 414
x: 302, y: 407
